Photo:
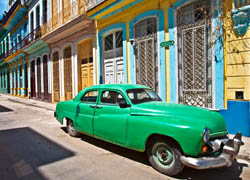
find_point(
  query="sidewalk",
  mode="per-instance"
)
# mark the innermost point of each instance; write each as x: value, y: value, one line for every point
x: 30, y: 102
x: 243, y: 154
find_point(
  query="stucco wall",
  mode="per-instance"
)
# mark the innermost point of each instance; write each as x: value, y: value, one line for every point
x: 237, y: 56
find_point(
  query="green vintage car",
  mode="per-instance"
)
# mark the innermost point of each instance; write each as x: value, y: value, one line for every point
x: 133, y: 116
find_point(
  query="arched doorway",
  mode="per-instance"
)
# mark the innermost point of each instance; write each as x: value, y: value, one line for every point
x: 146, y: 52
x: 67, y: 73
x: 56, y: 79
x: 45, y: 77
x: 194, y: 54
x: 86, y: 64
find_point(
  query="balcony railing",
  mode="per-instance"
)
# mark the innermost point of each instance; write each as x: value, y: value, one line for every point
x: 68, y: 13
x: 11, y: 11
x: 93, y: 3
x: 34, y: 35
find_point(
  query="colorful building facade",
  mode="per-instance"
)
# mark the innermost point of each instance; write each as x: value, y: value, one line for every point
x: 189, y: 70
x: 70, y: 36
x: 178, y: 48
x: 4, y: 67
x: 189, y: 51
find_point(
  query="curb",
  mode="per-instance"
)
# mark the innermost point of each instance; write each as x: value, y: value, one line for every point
x: 33, y: 105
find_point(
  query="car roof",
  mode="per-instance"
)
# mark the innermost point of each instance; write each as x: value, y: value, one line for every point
x: 122, y: 87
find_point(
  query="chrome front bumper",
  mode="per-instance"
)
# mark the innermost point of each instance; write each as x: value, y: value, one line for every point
x: 230, y: 151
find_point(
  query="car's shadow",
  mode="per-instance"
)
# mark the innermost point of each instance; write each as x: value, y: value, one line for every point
x: 4, y: 109
x: 229, y: 173
x: 130, y: 154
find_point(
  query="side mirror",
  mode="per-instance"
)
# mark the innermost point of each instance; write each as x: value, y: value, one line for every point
x: 123, y: 104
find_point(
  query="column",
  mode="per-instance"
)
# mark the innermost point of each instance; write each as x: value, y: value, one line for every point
x: 19, y: 79
x: 61, y: 75
x: 42, y: 82
x: 49, y: 76
x: 75, y: 69
x: 36, y: 78
x: 6, y: 81
x: 10, y: 79
x: 15, y: 71
x: 24, y: 90
x: 29, y: 82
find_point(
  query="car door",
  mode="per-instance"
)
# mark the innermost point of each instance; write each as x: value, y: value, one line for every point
x: 85, y: 112
x: 110, y: 121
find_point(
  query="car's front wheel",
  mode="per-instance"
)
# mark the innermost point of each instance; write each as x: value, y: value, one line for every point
x: 71, y: 129
x: 164, y: 156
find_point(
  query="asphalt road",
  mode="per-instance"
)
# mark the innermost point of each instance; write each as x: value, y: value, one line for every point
x: 33, y: 145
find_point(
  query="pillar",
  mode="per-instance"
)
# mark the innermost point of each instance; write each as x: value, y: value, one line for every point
x: 10, y: 80
x: 24, y: 79
x: 14, y: 78
x: 42, y: 83
x: 19, y: 79
x: 29, y: 82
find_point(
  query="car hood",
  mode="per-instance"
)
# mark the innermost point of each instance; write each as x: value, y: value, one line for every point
x: 182, y: 115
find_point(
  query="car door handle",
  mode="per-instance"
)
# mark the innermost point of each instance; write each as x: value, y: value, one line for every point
x: 92, y: 106
x: 99, y: 107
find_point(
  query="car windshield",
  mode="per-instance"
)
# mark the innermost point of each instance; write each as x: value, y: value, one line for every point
x: 138, y: 96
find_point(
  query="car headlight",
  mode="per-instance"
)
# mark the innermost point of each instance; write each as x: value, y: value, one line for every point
x: 206, y: 135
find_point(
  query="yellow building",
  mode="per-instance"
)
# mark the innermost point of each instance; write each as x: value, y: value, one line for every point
x: 70, y: 35
x: 237, y: 58
x: 179, y: 48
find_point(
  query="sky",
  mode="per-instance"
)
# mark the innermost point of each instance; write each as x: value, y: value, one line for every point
x: 3, y: 6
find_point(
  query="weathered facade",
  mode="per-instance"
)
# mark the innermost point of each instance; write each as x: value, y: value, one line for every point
x: 70, y: 35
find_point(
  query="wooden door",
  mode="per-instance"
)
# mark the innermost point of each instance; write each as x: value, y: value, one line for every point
x: 45, y: 77
x: 39, y: 77
x: 33, y: 80
x: 56, y: 80
x: 67, y: 73
x: 86, y: 64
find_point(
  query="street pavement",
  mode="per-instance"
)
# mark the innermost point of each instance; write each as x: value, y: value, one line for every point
x: 33, y: 145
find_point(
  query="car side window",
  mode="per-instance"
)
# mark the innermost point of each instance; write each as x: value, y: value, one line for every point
x: 90, y: 96
x: 111, y: 97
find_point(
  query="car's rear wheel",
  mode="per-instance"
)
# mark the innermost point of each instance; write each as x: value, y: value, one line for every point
x: 71, y: 129
x: 164, y: 156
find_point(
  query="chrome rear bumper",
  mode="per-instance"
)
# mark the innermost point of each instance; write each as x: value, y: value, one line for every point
x: 230, y: 151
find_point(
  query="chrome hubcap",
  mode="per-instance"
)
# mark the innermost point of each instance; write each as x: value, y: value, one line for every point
x: 162, y: 155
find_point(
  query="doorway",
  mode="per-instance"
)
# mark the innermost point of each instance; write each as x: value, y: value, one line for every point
x: 56, y: 79
x: 194, y: 54
x: 67, y: 73
x: 86, y: 64
x: 33, y: 80
x: 146, y: 52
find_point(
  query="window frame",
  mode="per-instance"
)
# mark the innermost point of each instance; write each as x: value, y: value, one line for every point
x: 89, y: 102
x: 111, y: 104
